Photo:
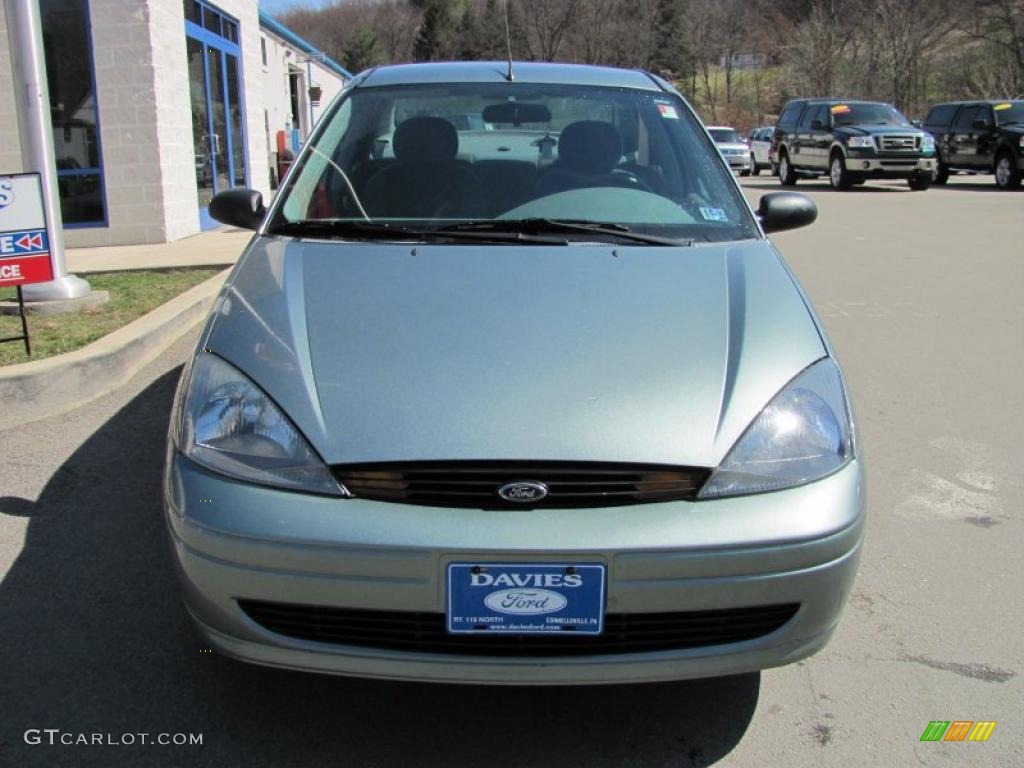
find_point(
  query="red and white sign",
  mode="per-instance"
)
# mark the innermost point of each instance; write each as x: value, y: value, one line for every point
x: 24, y: 242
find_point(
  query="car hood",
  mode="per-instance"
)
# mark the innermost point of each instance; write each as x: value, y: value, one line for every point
x: 876, y: 130
x: 388, y: 352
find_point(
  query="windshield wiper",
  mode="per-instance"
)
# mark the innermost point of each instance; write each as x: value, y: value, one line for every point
x: 370, y: 230
x: 540, y: 225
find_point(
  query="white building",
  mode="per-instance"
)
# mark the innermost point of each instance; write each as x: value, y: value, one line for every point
x: 158, y: 104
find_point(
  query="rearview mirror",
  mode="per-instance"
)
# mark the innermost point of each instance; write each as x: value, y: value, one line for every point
x: 238, y: 208
x: 779, y: 211
x: 516, y: 113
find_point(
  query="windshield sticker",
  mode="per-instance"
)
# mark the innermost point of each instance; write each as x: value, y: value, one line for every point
x: 839, y: 109
x: 999, y: 107
x: 713, y: 214
x: 668, y: 111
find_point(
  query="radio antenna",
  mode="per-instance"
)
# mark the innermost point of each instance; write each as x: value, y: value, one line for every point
x: 508, y: 43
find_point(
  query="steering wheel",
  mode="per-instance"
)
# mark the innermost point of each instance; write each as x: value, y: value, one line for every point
x: 628, y: 179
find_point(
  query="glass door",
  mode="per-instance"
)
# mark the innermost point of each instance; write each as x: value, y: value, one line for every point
x: 218, y: 137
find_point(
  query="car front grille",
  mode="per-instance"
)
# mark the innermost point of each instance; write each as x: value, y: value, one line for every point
x: 416, y: 632
x: 476, y: 483
x: 898, y: 143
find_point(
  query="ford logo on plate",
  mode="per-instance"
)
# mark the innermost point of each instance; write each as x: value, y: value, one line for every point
x: 525, y: 602
x: 523, y: 491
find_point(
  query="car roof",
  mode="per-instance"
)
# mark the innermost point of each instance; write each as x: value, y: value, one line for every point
x: 495, y: 71
x: 975, y: 101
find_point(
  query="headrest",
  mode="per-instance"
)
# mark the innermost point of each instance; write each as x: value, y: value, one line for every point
x: 426, y: 140
x: 590, y: 147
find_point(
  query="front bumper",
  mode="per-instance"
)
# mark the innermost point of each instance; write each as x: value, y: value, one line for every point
x: 235, y: 541
x: 883, y: 166
x: 738, y: 162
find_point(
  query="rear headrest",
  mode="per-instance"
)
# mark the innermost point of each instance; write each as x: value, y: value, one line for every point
x: 590, y: 147
x: 426, y: 140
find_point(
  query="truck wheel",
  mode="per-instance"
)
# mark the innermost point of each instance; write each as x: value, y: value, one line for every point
x: 1007, y: 175
x: 837, y: 173
x: 787, y: 176
x: 920, y: 181
x: 755, y: 169
x: 941, y: 171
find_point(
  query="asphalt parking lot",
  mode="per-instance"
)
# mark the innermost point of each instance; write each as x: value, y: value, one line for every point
x: 921, y: 294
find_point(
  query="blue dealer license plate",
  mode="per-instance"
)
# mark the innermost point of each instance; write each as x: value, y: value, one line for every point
x: 524, y: 598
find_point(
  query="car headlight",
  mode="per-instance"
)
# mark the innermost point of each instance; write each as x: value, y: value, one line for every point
x: 860, y: 142
x: 229, y: 425
x: 1021, y: 142
x: 802, y: 435
x: 928, y: 143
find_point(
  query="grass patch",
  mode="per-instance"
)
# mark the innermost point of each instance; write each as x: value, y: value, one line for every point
x: 132, y: 294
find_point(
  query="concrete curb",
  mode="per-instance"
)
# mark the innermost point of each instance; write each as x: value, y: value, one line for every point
x: 36, y: 390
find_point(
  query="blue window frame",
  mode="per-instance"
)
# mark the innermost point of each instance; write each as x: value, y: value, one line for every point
x: 218, y: 108
x: 74, y: 112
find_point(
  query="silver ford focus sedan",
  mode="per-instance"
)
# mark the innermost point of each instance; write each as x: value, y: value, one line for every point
x: 510, y: 387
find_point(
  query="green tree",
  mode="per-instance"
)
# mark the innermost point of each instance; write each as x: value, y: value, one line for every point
x: 362, y: 50
x: 433, y: 40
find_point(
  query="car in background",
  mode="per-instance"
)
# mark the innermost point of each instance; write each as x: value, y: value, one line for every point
x: 732, y: 146
x: 483, y: 409
x: 760, y: 141
x: 985, y: 136
x: 851, y: 141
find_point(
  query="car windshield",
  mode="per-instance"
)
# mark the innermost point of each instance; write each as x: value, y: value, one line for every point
x: 512, y: 162
x: 867, y: 114
x: 724, y: 135
x: 1009, y: 113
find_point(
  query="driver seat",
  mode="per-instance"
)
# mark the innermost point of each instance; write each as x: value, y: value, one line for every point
x: 588, y: 153
x: 427, y: 181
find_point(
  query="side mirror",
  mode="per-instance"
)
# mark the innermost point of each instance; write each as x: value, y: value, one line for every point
x: 817, y: 125
x: 916, y: 123
x: 238, y: 208
x: 780, y: 211
x: 980, y: 123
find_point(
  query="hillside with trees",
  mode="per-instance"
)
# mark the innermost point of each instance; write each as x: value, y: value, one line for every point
x: 736, y: 60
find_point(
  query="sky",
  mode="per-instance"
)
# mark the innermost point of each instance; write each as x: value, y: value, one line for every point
x: 276, y: 7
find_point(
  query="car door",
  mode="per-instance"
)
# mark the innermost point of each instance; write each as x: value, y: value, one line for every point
x: 821, y: 137
x: 986, y: 137
x: 963, y: 143
x: 939, y: 124
x: 804, y: 152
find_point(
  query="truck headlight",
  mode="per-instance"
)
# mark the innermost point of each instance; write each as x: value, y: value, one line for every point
x: 860, y: 142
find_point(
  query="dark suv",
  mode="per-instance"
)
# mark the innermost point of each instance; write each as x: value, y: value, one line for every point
x: 979, y: 136
x: 850, y: 142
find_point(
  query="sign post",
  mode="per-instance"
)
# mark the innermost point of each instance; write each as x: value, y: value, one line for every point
x: 25, y: 253
x: 32, y: 101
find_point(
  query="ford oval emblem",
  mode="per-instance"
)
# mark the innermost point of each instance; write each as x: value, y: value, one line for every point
x: 525, y: 602
x: 523, y: 491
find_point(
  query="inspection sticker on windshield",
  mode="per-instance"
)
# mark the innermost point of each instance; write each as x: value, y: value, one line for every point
x: 668, y: 111
x: 713, y: 214
x: 1001, y: 107
x: 525, y: 598
x: 840, y: 108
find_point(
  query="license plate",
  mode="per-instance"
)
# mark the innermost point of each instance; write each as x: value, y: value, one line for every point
x: 525, y: 598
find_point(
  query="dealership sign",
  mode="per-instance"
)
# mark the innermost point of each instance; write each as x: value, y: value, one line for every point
x: 24, y: 241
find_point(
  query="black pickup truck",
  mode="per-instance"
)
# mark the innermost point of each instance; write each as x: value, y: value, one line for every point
x: 850, y: 141
x: 980, y: 137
